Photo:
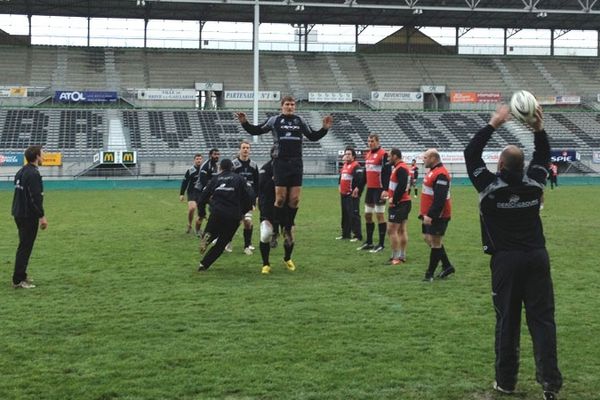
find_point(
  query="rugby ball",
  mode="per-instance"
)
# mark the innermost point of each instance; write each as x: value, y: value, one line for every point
x: 523, y: 105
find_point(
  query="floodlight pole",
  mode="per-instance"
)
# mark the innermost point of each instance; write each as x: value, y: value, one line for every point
x: 256, y: 62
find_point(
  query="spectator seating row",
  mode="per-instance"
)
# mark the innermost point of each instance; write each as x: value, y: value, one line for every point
x: 178, y: 134
x: 298, y: 73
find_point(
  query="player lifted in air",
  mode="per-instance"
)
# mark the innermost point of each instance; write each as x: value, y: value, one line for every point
x: 288, y: 130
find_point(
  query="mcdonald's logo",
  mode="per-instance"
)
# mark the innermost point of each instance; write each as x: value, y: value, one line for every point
x: 128, y: 157
x: 108, y: 157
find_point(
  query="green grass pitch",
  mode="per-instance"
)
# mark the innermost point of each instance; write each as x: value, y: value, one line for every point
x: 121, y: 313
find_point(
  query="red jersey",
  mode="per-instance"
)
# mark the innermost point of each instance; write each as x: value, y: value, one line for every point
x: 346, y: 176
x: 415, y: 171
x: 427, y: 192
x: 374, y: 161
x: 394, y: 183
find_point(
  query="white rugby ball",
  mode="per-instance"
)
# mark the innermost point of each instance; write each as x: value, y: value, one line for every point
x: 523, y: 105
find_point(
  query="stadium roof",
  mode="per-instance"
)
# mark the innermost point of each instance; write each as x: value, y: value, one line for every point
x: 531, y: 14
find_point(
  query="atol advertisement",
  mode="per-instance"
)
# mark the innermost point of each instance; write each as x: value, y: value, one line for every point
x: 85, y: 97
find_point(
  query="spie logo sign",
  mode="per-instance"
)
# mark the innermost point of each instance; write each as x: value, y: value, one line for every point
x: 564, y: 156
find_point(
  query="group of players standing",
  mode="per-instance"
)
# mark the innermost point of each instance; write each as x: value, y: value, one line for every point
x: 277, y: 187
x: 389, y: 179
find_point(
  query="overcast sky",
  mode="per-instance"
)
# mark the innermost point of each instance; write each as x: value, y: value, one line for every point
x: 227, y: 35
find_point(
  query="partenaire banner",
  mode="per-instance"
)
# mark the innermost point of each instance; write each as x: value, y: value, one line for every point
x: 403, y: 97
x: 167, y: 94
x: 248, y: 95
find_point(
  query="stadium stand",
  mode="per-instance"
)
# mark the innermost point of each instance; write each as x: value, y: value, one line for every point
x: 77, y: 68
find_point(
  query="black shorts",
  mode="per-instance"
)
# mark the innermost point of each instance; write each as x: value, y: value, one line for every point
x: 437, y: 228
x: 287, y: 172
x: 192, y: 195
x: 202, y: 211
x: 400, y: 213
x: 373, y: 196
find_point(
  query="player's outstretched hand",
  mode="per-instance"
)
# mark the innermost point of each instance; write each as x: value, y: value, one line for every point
x: 538, y: 123
x: 241, y: 116
x: 501, y: 115
x: 327, y: 122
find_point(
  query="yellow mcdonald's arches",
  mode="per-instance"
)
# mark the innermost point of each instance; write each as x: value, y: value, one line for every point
x: 108, y: 157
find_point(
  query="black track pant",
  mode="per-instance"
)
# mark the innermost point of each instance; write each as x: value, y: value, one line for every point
x: 350, y: 216
x: 523, y: 277
x: 28, y: 229
x: 223, y: 228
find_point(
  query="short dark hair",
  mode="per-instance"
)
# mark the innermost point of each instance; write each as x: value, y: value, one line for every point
x: 244, y: 142
x: 513, y: 159
x: 374, y: 136
x: 350, y: 149
x: 226, y: 164
x: 287, y: 98
x: 32, y: 153
x: 197, y: 155
x: 396, y: 152
x: 212, y: 151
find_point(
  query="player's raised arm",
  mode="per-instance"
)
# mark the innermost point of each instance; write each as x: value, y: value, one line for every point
x: 541, y: 154
x: 478, y: 173
x: 313, y: 135
x: 250, y: 128
x: 241, y: 116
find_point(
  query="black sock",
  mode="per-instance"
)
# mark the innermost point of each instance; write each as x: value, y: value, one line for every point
x: 370, y: 230
x: 434, y: 258
x: 247, y: 237
x: 288, y: 248
x: 280, y: 214
x: 416, y: 192
x: 382, y: 231
x: 291, y: 217
x: 444, y: 258
x: 265, y: 249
